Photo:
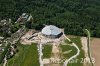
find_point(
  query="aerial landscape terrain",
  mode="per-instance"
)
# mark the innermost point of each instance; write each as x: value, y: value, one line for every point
x: 49, y: 32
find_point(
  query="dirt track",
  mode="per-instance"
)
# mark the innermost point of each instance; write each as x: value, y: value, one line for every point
x: 95, y: 47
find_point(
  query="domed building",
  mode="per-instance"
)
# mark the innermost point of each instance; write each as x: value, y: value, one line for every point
x: 51, y: 31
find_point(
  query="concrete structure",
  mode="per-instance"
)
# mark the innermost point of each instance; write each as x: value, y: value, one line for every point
x: 51, y: 31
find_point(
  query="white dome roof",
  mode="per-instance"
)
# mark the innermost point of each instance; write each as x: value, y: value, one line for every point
x: 51, y: 30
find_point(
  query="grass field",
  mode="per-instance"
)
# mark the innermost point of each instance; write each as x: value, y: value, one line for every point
x: 68, y: 48
x: 47, y: 49
x: 27, y: 56
x: 80, y: 58
x: 77, y: 61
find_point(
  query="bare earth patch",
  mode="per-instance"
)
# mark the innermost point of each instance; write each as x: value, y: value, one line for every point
x: 95, y: 47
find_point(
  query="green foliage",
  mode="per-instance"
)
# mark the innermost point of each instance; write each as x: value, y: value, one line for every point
x: 27, y: 56
x: 80, y: 58
x: 68, y: 48
x: 15, y: 28
x: 73, y: 15
x: 2, y: 55
x: 47, y: 49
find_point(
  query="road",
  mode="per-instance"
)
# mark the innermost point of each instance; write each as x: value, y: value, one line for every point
x: 88, y: 45
x: 40, y: 54
x: 78, y: 52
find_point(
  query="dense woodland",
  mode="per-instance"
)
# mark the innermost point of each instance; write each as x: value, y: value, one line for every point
x: 73, y: 15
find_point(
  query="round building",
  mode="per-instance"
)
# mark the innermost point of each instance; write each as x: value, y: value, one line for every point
x: 51, y: 31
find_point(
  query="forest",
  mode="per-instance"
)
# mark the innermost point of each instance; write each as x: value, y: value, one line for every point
x: 72, y: 15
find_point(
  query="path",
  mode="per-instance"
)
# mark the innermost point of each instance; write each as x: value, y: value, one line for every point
x: 78, y: 52
x: 88, y: 45
x: 40, y: 54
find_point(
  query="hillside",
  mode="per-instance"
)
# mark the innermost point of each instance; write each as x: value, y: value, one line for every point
x: 73, y: 15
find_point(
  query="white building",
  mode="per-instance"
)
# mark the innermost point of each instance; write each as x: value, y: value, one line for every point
x: 51, y: 31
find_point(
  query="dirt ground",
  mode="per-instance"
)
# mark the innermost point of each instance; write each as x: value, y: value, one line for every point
x: 95, y: 47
